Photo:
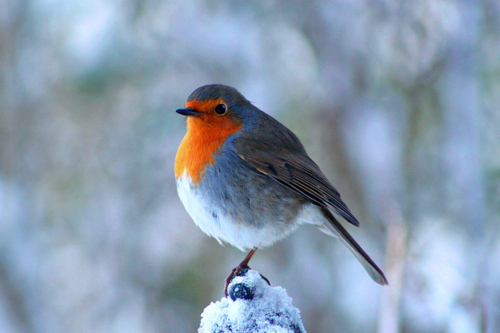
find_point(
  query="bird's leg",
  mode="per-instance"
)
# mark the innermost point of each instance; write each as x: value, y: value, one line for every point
x: 238, y: 269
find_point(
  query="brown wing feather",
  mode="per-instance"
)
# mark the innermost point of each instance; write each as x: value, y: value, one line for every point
x: 299, y: 173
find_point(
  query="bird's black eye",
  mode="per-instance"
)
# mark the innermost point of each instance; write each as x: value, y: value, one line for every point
x: 220, y: 109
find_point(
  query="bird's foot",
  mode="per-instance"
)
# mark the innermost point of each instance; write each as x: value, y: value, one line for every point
x: 240, y: 270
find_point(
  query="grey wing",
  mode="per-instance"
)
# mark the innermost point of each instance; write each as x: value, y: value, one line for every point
x: 299, y: 173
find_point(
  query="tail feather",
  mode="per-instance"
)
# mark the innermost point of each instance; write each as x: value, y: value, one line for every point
x: 338, y: 230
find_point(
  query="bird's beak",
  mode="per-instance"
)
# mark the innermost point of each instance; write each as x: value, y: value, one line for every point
x: 189, y: 112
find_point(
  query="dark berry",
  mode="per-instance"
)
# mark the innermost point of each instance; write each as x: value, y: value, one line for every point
x: 241, y: 291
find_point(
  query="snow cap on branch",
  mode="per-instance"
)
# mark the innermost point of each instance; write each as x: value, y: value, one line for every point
x: 252, y: 306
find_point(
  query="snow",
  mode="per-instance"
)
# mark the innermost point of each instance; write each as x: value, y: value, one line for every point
x: 252, y: 306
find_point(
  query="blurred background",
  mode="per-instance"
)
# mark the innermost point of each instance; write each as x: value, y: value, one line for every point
x: 397, y: 101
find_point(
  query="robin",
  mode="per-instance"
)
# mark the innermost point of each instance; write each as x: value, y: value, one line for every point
x: 246, y: 179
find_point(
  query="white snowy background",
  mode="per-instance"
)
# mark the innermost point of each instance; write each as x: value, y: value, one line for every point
x: 397, y: 101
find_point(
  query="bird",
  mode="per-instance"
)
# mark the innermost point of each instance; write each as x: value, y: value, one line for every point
x: 247, y: 180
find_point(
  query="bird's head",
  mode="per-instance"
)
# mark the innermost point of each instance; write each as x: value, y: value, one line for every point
x: 214, y: 106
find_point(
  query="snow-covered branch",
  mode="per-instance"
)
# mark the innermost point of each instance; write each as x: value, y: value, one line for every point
x: 252, y: 306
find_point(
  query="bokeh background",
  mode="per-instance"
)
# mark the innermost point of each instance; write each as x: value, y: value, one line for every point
x: 397, y: 101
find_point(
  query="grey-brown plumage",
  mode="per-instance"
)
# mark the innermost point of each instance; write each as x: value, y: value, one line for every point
x: 262, y: 183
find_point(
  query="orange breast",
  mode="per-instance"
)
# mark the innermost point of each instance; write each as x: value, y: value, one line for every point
x: 205, y: 135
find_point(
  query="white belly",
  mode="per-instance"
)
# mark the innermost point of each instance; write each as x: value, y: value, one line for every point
x: 213, y: 222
